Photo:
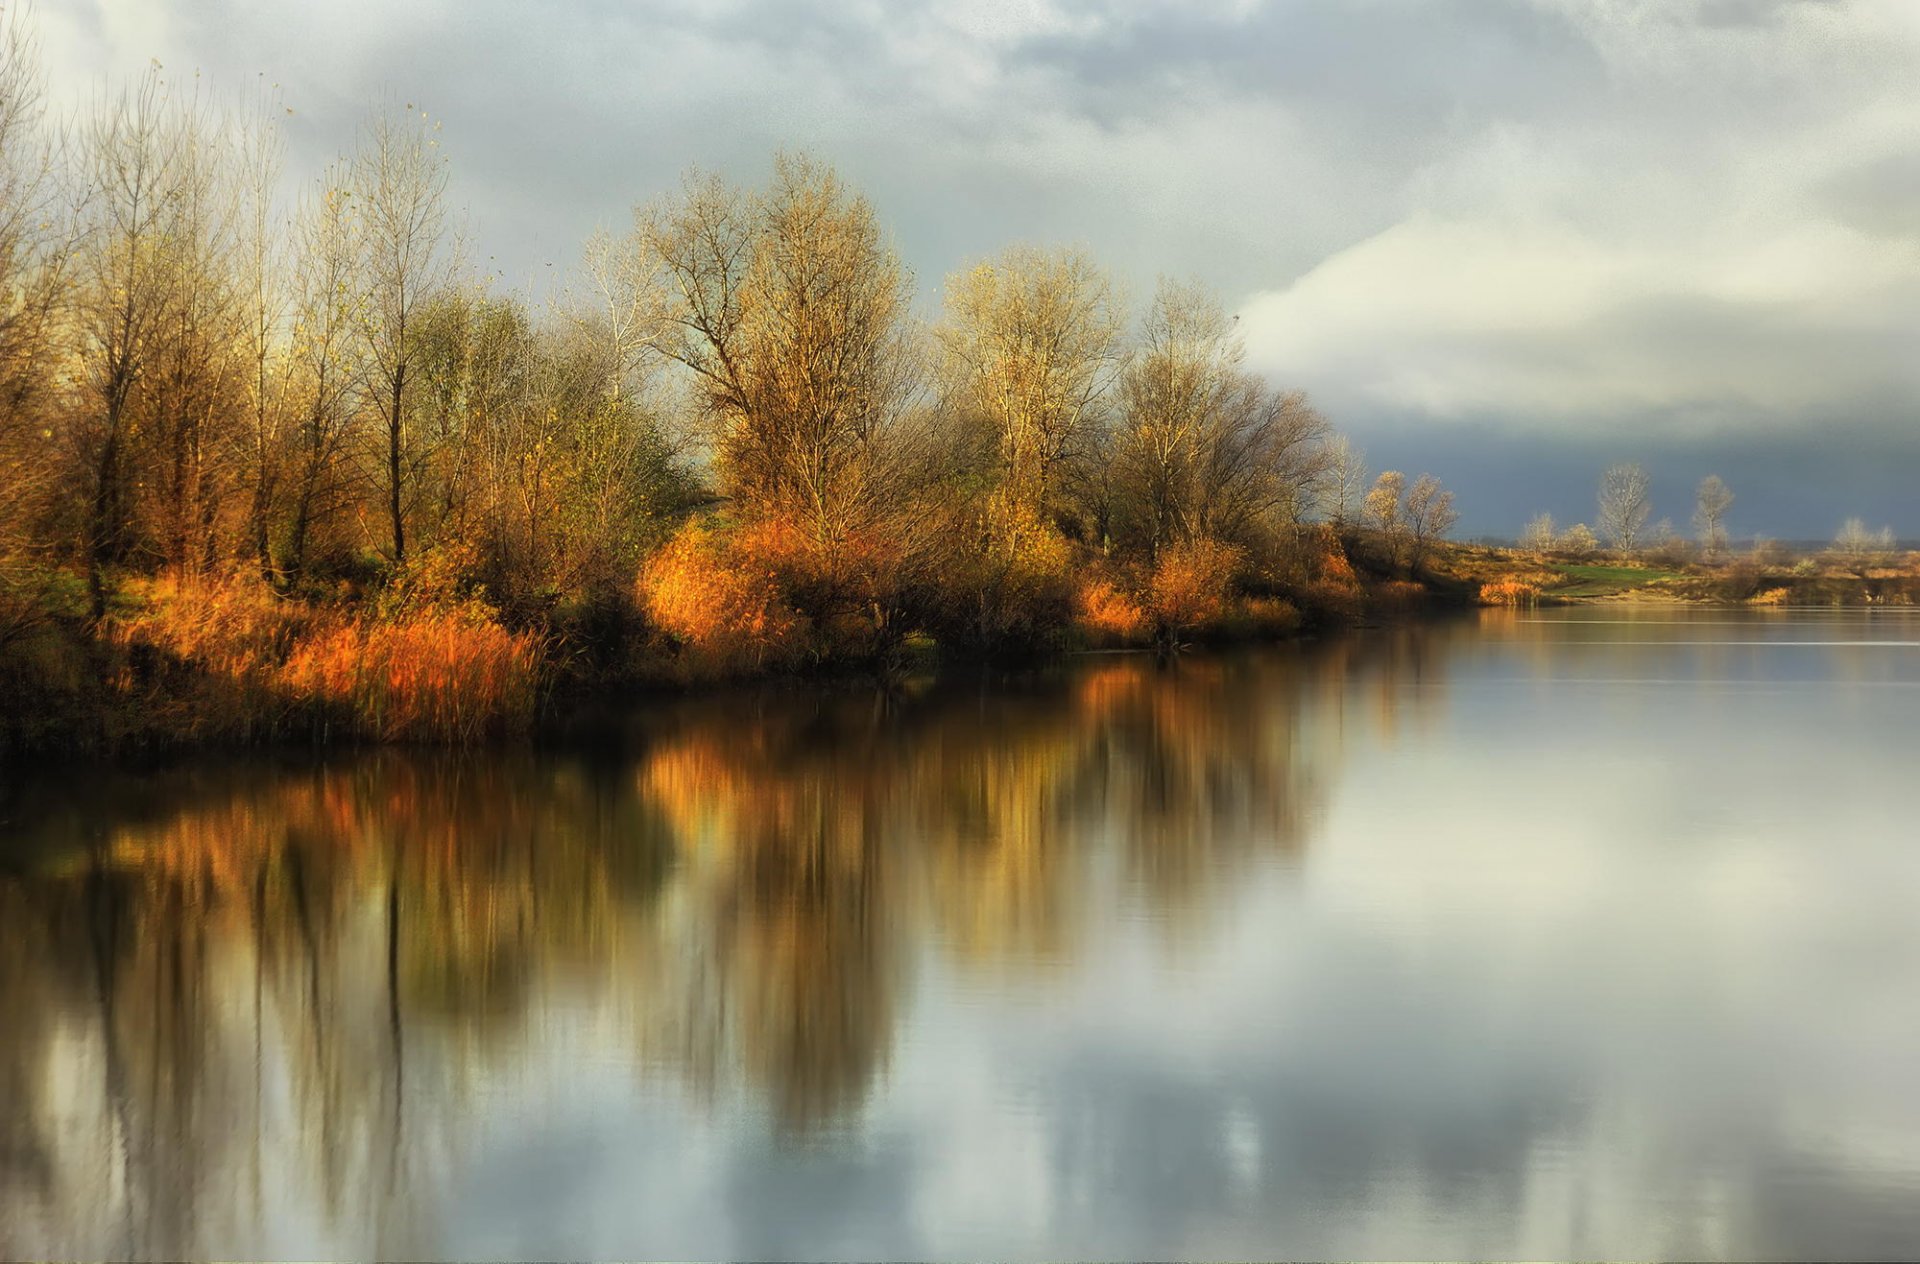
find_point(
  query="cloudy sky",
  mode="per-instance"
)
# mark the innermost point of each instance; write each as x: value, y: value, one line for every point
x: 1506, y: 241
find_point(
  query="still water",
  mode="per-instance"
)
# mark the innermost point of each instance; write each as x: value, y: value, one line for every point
x: 1591, y: 933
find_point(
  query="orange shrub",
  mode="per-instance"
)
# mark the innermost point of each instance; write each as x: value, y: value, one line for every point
x: 722, y: 604
x: 1188, y: 587
x: 1509, y: 592
x: 1107, y: 615
x: 440, y: 675
x: 1771, y: 597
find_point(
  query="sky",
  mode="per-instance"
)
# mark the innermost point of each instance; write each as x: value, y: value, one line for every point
x: 1504, y: 241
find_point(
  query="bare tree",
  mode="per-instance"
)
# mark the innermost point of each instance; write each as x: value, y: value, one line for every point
x: 627, y: 314
x: 792, y: 316
x: 33, y: 274
x: 1538, y: 537
x: 1861, y: 549
x: 123, y: 303
x: 1711, y: 501
x: 1428, y: 514
x: 1205, y: 449
x: 330, y: 370
x: 266, y: 300
x: 190, y: 395
x: 1382, y: 508
x: 400, y: 182
x: 1035, y: 337
x: 1347, y: 478
x: 1578, y: 540
x: 1624, y: 505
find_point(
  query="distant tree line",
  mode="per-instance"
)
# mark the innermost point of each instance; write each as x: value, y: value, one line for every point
x: 1624, y: 504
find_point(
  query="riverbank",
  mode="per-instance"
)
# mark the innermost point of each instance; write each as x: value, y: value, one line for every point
x: 1510, y: 577
x: 233, y: 662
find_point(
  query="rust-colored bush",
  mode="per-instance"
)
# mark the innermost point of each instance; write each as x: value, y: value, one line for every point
x: 1108, y: 616
x: 1189, y: 584
x: 722, y: 603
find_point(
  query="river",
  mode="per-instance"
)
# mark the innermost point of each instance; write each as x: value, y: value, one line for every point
x: 1589, y: 932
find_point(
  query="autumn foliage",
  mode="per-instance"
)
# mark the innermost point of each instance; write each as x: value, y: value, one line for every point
x: 720, y: 602
x: 1189, y: 585
x: 441, y: 676
x: 1509, y: 592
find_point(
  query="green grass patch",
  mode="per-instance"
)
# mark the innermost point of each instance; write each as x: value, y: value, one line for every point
x: 1605, y: 581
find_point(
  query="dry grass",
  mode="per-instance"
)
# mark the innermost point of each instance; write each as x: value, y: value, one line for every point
x: 1509, y: 592
x: 1398, y: 595
x: 230, y: 660
x: 438, y: 676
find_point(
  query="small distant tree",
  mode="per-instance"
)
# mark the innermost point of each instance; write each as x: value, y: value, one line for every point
x: 1382, y: 509
x: 1711, y: 501
x: 1538, y: 535
x: 1859, y: 549
x: 1428, y: 513
x: 1578, y: 540
x: 1346, y: 487
x: 1625, y: 505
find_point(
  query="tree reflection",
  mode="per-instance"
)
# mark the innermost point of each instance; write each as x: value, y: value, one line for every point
x: 252, y: 999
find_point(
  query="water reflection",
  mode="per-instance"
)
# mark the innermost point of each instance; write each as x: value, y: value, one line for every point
x: 1272, y: 952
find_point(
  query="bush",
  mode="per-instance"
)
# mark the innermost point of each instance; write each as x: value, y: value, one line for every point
x: 1189, y: 584
x: 1007, y: 589
x: 1108, y: 616
x: 722, y: 605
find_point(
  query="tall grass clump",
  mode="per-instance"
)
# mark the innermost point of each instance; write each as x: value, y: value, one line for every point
x: 1509, y: 592
x: 444, y: 675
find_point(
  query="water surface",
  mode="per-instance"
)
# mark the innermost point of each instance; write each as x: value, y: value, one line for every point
x: 1583, y: 934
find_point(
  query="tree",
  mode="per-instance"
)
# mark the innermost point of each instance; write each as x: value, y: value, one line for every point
x: 792, y: 316
x: 33, y: 275
x: 330, y: 369
x: 1624, y: 505
x: 1206, y: 449
x: 123, y: 305
x: 1346, y: 489
x: 1538, y: 536
x: 1428, y: 514
x: 1711, y: 501
x: 1578, y: 540
x: 1034, y: 341
x: 191, y: 392
x: 1382, y: 508
x: 266, y: 300
x: 1859, y: 548
x: 400, y: 182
